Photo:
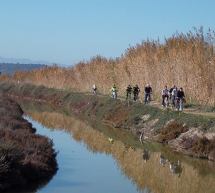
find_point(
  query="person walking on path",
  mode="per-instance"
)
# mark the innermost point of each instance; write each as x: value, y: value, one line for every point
x: 94, y: 89
x: 180, y: 99
x: 136, y: 91
x: 170, y: 92
x: 128, y: 92
x: 114, y: 92
x: 148, y: 92
x: 165, y: 97
x: 174, y: 96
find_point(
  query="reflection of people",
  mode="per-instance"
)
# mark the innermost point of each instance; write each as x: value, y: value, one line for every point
x: 162, y: 160
x: 146, y: 155
x: 175, y: 168
x: 141, y: 138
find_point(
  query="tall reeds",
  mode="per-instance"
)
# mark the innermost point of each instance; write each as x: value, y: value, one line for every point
x: 186, y: 60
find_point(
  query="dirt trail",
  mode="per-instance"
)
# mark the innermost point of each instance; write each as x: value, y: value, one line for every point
x: 193, y: 111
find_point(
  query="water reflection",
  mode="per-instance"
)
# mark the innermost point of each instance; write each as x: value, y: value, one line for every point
x: 149, y: 171
x: 146, y: 155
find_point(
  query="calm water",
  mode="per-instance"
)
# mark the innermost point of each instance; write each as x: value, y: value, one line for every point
x: 89, y: 163
x: 80, y: 169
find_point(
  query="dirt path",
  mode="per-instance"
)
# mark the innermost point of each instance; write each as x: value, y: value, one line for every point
x: 193, y: 111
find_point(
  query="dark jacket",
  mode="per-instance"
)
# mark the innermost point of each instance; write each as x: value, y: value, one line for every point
x: 129, y: 89
x: 180, y: 94
x: 136, y: 90
x: 148, y: 90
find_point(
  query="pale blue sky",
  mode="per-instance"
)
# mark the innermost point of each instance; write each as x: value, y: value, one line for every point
x: 67, y: 31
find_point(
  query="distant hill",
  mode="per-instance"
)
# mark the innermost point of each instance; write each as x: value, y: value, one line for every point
x: 20, y: 61
x: 11, y: 68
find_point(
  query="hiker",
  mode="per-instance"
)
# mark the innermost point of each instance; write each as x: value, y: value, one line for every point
x: 174, y: 96
x: 148, y: 92
x: 136, y: 91
x: 128, y: 92
x: 170, y: 92
x: 94, y: 89
x: 180, y: 99
x: 114, y: 92
x: 165, y: 96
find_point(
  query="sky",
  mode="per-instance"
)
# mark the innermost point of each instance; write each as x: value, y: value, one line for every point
x: 68, y: 31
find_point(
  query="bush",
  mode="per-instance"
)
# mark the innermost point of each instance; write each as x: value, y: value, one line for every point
x: 171, y: 131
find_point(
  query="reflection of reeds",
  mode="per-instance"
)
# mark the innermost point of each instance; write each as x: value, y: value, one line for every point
x: 187, y: 60
x: 144, y: 174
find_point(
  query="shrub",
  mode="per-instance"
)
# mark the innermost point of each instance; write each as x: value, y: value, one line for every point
x: 171, y: 131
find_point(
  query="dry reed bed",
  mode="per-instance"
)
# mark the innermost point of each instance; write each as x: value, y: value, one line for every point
x: 26, y: 158
x: 186, y: 60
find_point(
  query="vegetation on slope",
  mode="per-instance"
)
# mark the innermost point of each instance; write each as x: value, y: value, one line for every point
x: 165, y: 126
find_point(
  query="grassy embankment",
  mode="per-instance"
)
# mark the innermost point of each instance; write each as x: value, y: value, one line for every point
x: 186, y: 60
x: 26, y: 159
x: 163, y: 126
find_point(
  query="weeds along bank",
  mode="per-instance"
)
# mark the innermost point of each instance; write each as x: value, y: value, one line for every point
x: 190, y: 134
x: 186, y: 60
x: 26, y: 159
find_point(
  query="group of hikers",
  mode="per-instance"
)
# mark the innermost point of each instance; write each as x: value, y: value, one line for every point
x: 136, y: 90
x: 173, y: 96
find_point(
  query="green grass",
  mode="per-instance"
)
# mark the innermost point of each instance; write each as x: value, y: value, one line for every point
x: 103, y: 105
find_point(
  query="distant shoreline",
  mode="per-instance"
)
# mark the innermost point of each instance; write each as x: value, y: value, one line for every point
x: 11, y: 68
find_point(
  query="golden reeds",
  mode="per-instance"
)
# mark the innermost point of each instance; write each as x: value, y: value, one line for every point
x: 186, y: 60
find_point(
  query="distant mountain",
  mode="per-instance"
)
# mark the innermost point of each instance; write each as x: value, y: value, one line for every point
x: 11, y: 68
x: 20, y: 61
